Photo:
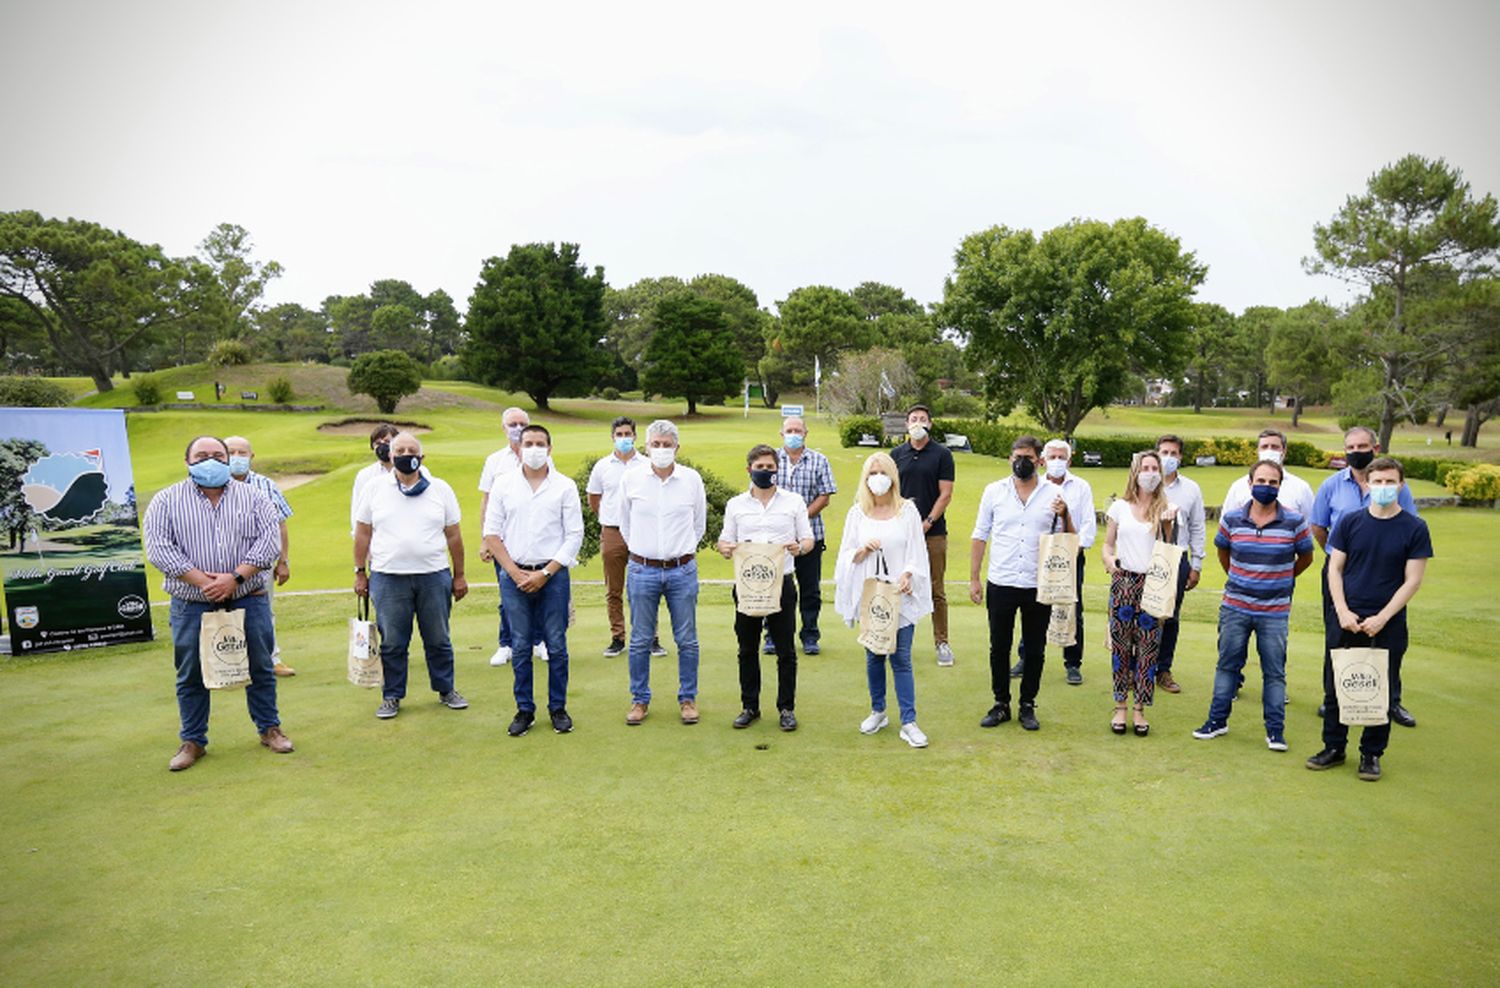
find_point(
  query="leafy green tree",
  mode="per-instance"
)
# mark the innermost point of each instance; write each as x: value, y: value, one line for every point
x: 1472, y: 380
x: 1306, y: 355
x: 1252, y: 335
x: 1211, y: 350
x: 1416, y: 215
x: 93, y: 291
x: 822, y: 322
x: 241, y: 281
x: 693, y: 354
x: 747, y: 320
x: 23, y: 344
x: 1059, y: 322
x: 291, y: 332
x: 535, y: 323
x: 876, y: 299
x: 629, y: 315
x: 444, y: 329
x: 385, y: 375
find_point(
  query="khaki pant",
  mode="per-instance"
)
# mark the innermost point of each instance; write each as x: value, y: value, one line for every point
x: 937, y: 564
x: 612, y: 548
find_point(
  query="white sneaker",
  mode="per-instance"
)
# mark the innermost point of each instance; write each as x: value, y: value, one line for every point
x: 912, y: 735
x: 539, y: 652
x: 874, y: 722
x: 501, y: 656
x: 944, y: 655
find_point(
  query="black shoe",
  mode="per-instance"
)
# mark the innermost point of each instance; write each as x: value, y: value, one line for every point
x: 1327, y: 758
x: 768, y: 648
x: 1322, y: 710
x: 1402, y: 716
x: 1028, y: 717
x: 788, y: 721
x: 746, y: 718
x: 1075, y: 676
x: 1017, y: 669
x: 522, y: 723
x: 614, y: 648
x: 1369, y: 767
x: 656, y: 650
x: 999, y: 714
x: 811, y: 648
x: 561, y: 722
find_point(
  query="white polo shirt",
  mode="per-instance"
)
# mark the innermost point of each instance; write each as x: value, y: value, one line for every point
x: 407, y: 532
x: 371, y: 472
x: 663, y: 519
x: 1295, y: 494
x: 781, y: 521
x: 604, y: 480
x: 1014, y: 529
x: 537, y: 526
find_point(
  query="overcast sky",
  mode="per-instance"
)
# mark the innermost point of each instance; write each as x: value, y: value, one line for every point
x: 782, y: 144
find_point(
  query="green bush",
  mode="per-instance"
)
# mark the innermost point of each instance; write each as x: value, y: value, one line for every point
x: 147, y: 390
x: 717, y: 491
x: 610, y: 393
x: 851, y: 428
x: 33, y: 392
x: 279, y: 390
x: 447, y: 368
x: 229, y: 353
x: 387, y: 376
x: 957, y: 405
x: 1476, y: 482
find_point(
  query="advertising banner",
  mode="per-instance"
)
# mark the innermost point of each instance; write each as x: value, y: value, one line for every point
x: 70, y: 547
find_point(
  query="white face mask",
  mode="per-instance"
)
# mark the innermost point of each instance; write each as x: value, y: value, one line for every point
x: 1270, y: 455
x: 1057, y: 468
x: 534, y: 457
x: 1148, y: 481
x: 878, y: 483
x: 663, y: 456
x: 513, y: 432
x: 917, y: 432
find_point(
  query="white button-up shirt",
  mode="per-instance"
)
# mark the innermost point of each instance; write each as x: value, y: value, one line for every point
x: 1014, y: 529
x: 782, y: 521
x: 1080, y: 497
x: 1295, y: 494
x: 604, y: 480
x: 663, y: 519
x: 1188, y: 497
x: 537, y: 526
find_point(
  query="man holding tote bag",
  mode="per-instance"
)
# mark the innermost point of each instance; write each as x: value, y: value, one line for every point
x: 213, y: 541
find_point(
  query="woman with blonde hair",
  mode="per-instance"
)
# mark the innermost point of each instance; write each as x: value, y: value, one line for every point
x: 1135, y: 522
x: 883, y: 538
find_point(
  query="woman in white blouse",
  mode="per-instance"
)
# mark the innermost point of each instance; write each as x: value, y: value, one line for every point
x: 1134, y: 524
x: 883, y: 538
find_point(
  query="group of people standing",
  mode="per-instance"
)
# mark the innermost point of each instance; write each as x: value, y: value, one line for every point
x: 222, y: 544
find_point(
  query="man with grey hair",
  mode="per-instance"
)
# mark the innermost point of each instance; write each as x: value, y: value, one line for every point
x: 406, y: 531
x: 504, y: 460
x: 241, y: 456
x: 664, y: 513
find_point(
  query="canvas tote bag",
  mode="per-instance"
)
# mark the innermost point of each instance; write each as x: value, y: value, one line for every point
x: 1159, y: 595
x: 1056, y: 567
x: 364, y: 648
x: 879, y: 610
x: 757, y: 578
x: 1062, y: 628
x: 1362, y: 683
x: 223, y: 650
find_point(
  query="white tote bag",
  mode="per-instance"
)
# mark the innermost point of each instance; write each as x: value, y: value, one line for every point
x: 1159, y: 595
x: 364, y: 649
x: 879, y: 611
x: 1056, y: 567
x: 223, y: 650
x: 1362, y: 683
x: 1062, y: 627
x: 757, y: 578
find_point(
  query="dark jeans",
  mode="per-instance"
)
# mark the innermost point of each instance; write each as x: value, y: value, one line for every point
x: 1169, y: 627
x: 1331, y: 631
x: 192, y: 695
x: 1002, y: 604
x: 398, y: 597
x: 808, y: 568
x: 1375, y: 737
x: 1072, y: 654
x: 539, y: 617
x: 780, y: 627
x: 506, y: 633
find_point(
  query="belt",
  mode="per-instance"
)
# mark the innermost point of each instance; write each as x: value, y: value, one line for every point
x: 530, y: 567
x: 613, y: 528
x: 663, y: 563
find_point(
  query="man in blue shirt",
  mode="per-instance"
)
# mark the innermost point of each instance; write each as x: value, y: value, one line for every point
x: 1376, y: 559
x: 1346, y: 491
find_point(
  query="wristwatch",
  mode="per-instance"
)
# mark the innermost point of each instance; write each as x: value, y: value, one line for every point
x: 359, y: 569
x: 239, y: 579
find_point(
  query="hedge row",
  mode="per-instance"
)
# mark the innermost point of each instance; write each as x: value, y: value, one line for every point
x: 33, y: 392
x: 1473, y: 481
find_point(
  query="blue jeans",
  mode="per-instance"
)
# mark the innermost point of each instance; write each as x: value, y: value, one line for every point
x: 906, y: 685
x: 192, y: 695
x: 1234, y: 646
x: 398, y: 597
x: 505, y: 632
x: 540, y: 616
x: 647, y: 585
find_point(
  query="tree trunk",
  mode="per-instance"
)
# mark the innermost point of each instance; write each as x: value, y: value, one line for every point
x: 101, y: 379
x: 1296, y: 410
x: 1198, y: 395
x: 540, y: 398
x: 1470, y: 436
x: 1442, y: 414
x: 692, y: 405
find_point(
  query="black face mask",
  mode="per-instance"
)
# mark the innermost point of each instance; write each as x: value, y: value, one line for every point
x: 1023, y: 468
x: 762, y: 478
x: 383, y: 452
x: 406, y: 464
x: 1360, y: 458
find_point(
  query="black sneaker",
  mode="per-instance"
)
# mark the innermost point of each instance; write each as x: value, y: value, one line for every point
x: 999, y: 714
x: 1327, y: 758
x: 656, y: 650
x: 614, y: 648
x: 1322, y: 710
x: 1018, y: 669
x: 788, y: 721
x: 561, y: 722
x: 746, y: 718
x: 1075, y: 676
x: 768, y: 648
x: 521, y: 724
x: 1028, y: 717
x: 1369, y: 768
x: 453, y: 700
x: 811, y: 648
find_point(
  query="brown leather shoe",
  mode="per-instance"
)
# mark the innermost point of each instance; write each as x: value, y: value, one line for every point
x: 689, y: 712
x: 1165, y: 681
x: 285, y: 670
x: 636, y: 715
x: 186, y: 755
x: 273, y: 738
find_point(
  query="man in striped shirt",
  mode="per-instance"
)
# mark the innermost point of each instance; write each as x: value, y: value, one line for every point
x: 241, y: 457
x: 214, y: 540
x: 1262, y: 547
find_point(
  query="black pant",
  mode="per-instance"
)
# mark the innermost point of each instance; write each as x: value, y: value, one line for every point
x: 1002, y: 604
x: 1375, y: 737
x: 808, y: 569
x: 1169, y: 627
x: 1332, y: 631
x: 1072, y: 654
x: 781, y: 625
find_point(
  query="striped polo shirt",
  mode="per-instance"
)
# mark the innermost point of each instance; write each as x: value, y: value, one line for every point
x: 1261, y: 560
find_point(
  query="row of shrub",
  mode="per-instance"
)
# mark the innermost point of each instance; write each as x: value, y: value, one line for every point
x: 148, y: 390
x: 1473, y: 481
x: 33, y: 392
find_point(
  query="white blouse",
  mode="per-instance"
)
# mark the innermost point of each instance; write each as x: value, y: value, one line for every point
x: 1134, y: 539
x: 904, y: 548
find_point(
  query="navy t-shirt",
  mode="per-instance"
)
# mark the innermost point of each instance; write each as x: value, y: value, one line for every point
x: 1377, y: 551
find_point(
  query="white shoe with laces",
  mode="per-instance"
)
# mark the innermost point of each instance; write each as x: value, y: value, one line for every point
x: 912, y: 735
x: 539, y: 652
x: 501, y: 656
x: 874, y: 722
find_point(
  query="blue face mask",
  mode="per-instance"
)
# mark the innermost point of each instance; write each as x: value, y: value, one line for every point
x: 209, y: 473
x: 793, y: 441
x: 1264, y: 493
x: 1384, y: 497
x: 239, y: 465
x: 624, y: 444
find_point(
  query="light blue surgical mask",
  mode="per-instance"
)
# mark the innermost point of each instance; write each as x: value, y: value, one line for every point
x: 793, y: 441
x: 624, y: 444
x: 239, y: 465
x: 209, y: 473
x: 1384, y: 497
x: 1169, y: 464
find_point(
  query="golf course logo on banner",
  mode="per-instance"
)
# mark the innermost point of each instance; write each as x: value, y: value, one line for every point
x: 71, y: 543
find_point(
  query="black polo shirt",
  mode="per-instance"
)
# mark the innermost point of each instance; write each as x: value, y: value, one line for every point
x: 920, y: 472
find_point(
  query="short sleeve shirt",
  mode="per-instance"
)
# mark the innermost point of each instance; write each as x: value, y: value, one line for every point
x: 921, y: 470
x: 1377, y: 551
x: 1341, y: 494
